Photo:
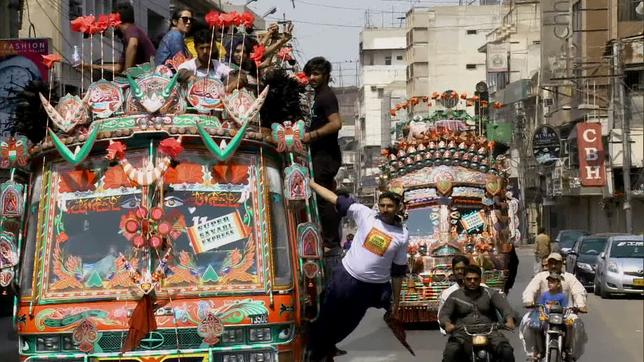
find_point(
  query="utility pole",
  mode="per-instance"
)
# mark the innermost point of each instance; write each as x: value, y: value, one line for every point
x: 626, y: 133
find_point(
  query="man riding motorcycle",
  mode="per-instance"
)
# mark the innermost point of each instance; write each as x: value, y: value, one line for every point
x: 475, y: 304
x: 576, y: 293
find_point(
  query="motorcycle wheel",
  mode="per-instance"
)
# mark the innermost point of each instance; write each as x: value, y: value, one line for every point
x: 553, y: 355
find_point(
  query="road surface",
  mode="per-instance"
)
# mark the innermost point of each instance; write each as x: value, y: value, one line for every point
x: 614, y: 330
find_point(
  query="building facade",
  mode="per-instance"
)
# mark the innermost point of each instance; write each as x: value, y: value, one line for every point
x: 382, y: 84
x: 442, y: 48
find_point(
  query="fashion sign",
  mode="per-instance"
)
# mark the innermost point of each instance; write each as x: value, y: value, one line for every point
x: 592, y: 171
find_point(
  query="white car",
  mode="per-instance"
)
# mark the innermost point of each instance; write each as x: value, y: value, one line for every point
x: 621, y: 266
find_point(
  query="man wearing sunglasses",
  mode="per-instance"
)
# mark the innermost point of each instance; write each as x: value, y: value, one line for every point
x: 376, y: 261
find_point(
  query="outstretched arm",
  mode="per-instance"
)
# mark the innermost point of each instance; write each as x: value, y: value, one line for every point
x: 324, y: 193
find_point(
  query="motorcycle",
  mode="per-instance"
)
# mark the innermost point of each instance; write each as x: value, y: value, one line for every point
x: 557, y: 320
x: 481, y: 351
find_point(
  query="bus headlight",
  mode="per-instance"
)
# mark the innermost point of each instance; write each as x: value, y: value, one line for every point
x: 48, y: 343
x: 261, y: 357
x: 260, y: 334
x: 237, y: 357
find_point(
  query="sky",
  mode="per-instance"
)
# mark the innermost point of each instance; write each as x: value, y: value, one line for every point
x: 331, y: 28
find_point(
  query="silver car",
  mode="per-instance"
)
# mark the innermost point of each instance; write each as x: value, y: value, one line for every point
x: 621, y: 266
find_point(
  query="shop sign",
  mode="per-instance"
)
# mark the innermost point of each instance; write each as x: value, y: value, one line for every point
x: 546, y: 147
x: 592, y: 170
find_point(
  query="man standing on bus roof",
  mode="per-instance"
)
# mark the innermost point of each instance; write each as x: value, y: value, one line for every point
x: 376, y: 260
x: 322, y: 136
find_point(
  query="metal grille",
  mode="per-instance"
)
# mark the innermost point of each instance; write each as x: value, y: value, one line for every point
x: 188, y: 338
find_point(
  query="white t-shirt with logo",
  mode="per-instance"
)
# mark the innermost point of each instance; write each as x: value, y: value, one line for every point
x: 376, y: 245
x: 217, y: 70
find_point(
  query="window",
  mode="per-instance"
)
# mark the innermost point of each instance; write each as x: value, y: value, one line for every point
x: 471, y: 31
x: 626, y: 11
x: 279, y: 232
x: 470, y: 66
x: 399, y: 57
x: 381, y: 93
x: 388, y: 60
x: 370, y: 58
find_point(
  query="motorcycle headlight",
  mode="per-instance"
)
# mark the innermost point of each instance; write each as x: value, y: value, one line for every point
x: 555, y: 319
x: 612, y: 267
x: 479, y: 340
x: 585, y: 266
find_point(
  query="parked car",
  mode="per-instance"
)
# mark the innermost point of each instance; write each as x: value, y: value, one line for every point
x: 621, y: 266
x: 584, y: 255
x: 566, y: 239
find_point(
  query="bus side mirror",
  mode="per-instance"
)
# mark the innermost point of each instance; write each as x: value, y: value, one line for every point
x: 602, y: 255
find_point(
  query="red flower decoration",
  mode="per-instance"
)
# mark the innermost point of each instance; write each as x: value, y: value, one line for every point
x: 435, y: 95
x: 498, y: 105
x: 116, y: 150
x: 285, y: 53
x: 247, y: 19
x: 463, y: 95
x: 237, y: 18
x: 392, y: 112
x: 82, y: 24
x: 227, y: 19
x: 170, y: 147
x: 213, y: 19
x: 258, y: 54
x: 102, y: 23
x: 115, y: 19
x: 302, y: 78
x: 50, y: 59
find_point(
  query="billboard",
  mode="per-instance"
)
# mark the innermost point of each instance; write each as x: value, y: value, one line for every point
x: 592, y: 170
x: 546, y: 146
x: 20, y: 63
x: 497, y: 57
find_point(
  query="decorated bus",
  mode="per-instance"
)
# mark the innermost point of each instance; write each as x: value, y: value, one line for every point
x: 156, y: 221
x: 454, y: 191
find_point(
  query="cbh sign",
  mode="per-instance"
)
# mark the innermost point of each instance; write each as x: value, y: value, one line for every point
x: 592, y: 170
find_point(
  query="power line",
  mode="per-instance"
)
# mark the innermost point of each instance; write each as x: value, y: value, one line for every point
x: 350, y: 8
x: 321, y: 24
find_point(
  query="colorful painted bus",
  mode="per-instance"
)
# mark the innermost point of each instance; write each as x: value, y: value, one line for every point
x: 160, y: 224
x: 455, y: 196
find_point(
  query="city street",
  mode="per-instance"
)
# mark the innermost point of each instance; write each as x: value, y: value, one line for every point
x: 614, y: 327
x: 614, y: 331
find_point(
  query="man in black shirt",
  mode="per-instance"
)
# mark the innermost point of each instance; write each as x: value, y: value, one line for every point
x: 322, y: 136
x: 474, y: 304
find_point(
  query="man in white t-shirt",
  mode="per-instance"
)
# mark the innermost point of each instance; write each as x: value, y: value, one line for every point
x: 198, y: 67
x: 376, y: 261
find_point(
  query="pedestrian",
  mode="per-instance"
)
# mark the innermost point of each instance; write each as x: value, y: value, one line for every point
x: 173, y: 41
x: 207, y: 53
x: 137, y: 46
x: 364, y: 279
x: 347, y: 242
x: 322, y: 135
x: 542, y: 249
x: 513, y: 269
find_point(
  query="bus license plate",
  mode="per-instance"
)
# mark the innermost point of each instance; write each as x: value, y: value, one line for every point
x: 638, y: 282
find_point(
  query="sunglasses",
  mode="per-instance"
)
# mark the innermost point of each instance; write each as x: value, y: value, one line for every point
x: 186, y: 19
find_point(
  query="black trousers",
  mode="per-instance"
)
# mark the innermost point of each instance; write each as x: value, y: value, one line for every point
x: 513, y: 267
x: 459, y: 348
x: 325, y: 168
x: 345, y: 303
